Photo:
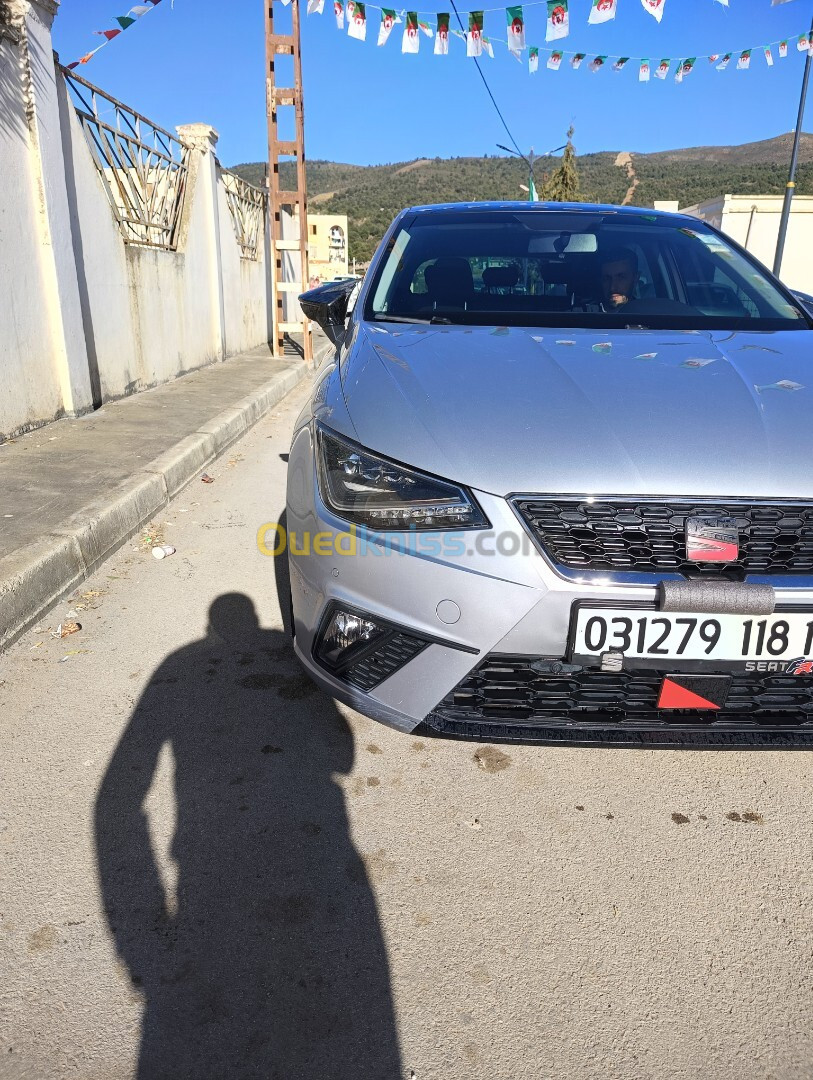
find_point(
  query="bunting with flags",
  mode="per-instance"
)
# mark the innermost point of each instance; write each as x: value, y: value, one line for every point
x: 597, y: 63
x: 620, y: 63
x: 338, y: 11
x: 654, y: 7
x: 744, y: 61
x: 555, y: 60
x: 662, y: 70
x: 602, y: 11
x: 724, y: 62
x: 474, y: 39
x: 388, y: 18
x: 576, y: 60
x: 533, y: 60
x: 643, y: 70
x: 685, y: 68
x: 124, y: 23
x: 357, y: 24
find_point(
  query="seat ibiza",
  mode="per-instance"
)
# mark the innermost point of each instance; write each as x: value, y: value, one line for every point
x: 554, y: 482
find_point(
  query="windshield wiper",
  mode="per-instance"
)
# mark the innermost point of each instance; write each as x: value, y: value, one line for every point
x: 436, y: 320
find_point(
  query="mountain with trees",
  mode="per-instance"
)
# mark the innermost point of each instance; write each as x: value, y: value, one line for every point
x: 372, y: 195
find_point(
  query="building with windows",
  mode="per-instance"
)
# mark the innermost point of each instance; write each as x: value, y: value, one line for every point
x: 327, y: 245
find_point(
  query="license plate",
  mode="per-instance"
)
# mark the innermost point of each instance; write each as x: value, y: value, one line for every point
x: 782, y: 642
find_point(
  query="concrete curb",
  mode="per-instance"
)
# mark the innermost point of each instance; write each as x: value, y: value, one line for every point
x: 34, y: 579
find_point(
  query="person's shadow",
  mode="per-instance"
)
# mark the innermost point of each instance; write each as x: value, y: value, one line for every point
x: 270, y: 962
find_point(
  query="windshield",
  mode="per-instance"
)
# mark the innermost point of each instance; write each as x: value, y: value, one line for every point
x: 572, y: 268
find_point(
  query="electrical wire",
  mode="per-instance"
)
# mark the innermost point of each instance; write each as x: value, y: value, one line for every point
x: 493, y: 99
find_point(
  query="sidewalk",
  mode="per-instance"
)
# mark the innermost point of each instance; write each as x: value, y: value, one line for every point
x: 72, y: 492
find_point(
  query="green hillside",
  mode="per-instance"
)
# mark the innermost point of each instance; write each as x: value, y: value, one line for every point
x: 372, y: 195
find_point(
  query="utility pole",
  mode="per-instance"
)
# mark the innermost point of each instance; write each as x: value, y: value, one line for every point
x: 278, y: 98
x: 794, y: 157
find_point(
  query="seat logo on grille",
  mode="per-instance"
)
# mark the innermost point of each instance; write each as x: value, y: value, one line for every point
x: 712, y: 539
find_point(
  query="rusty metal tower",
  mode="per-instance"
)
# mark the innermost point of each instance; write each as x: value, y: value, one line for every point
x: 289, y: 275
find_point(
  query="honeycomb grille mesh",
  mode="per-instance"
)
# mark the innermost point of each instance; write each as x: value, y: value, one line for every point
x: 513, y: 690
x: 650, y: 536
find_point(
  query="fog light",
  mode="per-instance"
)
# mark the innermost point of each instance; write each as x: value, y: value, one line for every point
x: 344, y: 636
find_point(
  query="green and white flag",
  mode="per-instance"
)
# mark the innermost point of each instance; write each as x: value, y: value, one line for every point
x: 597, y: 63
x: 620, y: 63
x: 768, y: 55
x: 338, y: 11
x: 662, y: 70
x: 350, y: 7
x: 488, y: 48
x: 388, y: 18
x: 726, y: 60
x: 316, y: 7
x: 532, y: 195
x: 474, y: 39
x: 576, y: 60
x: 643, y: 70
x: 783, y: 49
x: 425, y: 28
x: 602, y: 11
x: 533, y: 60
x: 558, y: 20
x: 357, y: 27
x: 744, y: 61
x: 442, y: 34
x: 654, y: 7
x: 555, y: 60
x: 802, y: 43
x: 685, y: 68
x: 410, y: 42
x: 516, y: 29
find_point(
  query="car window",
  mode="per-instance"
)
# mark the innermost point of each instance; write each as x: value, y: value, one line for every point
x: 568, y: 267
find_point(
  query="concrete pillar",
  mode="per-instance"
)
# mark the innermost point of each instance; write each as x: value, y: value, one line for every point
x: 202, y: 139
x: 27, y: 23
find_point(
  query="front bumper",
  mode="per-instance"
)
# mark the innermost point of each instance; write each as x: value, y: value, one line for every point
x: 481, y: 597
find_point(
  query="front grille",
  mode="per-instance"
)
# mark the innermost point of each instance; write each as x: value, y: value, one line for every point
x: 396, y: 650
x: 512, y: 690
x: 648, y: 536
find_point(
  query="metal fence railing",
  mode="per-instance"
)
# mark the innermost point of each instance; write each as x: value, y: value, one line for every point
x: 247, y: 207
x: 143, y: 167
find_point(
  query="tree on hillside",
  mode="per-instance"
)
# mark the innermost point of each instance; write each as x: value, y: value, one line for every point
x: 563, y: 183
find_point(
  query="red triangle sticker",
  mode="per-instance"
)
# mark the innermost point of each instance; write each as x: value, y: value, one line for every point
x: 678, y: 697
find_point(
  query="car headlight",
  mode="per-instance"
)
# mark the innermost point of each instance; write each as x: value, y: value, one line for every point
x: 370, y: 490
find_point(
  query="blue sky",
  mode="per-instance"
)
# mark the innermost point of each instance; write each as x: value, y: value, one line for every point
x: 204, y: 60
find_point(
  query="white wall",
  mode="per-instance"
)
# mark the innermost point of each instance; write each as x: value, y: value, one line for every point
x: 86, y: 317
x: 753, y: 221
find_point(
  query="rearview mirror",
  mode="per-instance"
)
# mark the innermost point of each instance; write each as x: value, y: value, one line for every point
x: 326, y: 305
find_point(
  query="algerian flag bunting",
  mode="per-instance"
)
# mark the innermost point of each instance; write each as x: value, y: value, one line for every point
x: 783, y: 49
x: 474, y: 40
x: 597, y: 63
x: 385, y: 26
x: 488, y: 48
x: 576, y: 60
x: 685, y: 68
x: 516, y: 29
x: 357, y: 27
x: 744, y: 61
x: 316, y: 7
x: 350, y: 7
x: 662, y: 70
x: 654, y: 7
x: 602, y: 11
x: 338, y: 11
x: 620, y: 63
x: 801, y: 44
x: 555, y: 60
x: 643, y: 70
x: 425, y: 28
x: 724, y: 62
x: 442, y: 35
x: 768, y: 55
x: 558, y: 20
x: 533, y: 60
x: 411, y: 42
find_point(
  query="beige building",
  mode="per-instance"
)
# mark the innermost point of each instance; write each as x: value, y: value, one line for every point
x: 327, y: 245
x: 753, y: 221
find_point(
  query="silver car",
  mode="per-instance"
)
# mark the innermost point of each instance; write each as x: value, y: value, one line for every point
x: 555, y: 483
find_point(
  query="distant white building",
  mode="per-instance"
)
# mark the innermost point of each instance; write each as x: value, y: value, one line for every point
x: 753, y: 221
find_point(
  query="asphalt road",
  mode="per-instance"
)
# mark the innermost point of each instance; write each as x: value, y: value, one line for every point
x: 210, y: 870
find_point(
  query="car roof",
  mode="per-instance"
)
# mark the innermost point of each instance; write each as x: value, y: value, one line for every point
x: 542, y: 207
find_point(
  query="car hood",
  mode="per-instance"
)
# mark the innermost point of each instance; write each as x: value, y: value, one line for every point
x: 512, y: 409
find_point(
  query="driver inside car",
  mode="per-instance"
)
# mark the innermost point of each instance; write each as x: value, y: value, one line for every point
x: 619, y: 278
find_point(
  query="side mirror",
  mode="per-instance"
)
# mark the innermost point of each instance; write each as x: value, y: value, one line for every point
x: 327, y: 306
x: 805, y: 299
